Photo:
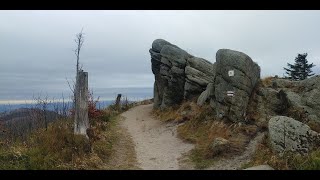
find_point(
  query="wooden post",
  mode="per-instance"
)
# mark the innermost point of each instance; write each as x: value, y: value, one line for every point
x: 81, y: 121
x: 118, y: 101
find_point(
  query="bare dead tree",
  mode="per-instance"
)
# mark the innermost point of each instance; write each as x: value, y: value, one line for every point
x: 42, y: 104
x: 64, y: 107
x: 79, y: 42
x: 80, y: 98
x: 55, y: 106
x: 71, y: 87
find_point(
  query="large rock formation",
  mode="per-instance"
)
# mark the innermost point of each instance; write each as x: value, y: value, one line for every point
x: 287, y: 134
x: 228, y: 84
x: 178, y: 75
x: 235, y: 73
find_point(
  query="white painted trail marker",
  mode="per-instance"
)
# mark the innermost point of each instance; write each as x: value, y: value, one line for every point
x: 230, y: 93
x: 231, y: 73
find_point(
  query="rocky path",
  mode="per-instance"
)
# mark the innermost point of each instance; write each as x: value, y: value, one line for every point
x: 156, y: 144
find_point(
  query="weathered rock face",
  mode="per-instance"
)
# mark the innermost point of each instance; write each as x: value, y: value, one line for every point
x: 265, y: 103
x: 236, y: 72
x: 199, y: 73
x: 205, y: 95
x: 168, y: 63
x: 284, y: 83
x: 303, y: 98
x: 287, y: 134
x: 272, y: 100
x: 178, y: 75
x: 299, y: 100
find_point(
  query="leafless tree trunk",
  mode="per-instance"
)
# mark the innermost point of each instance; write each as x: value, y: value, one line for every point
x: 79, y: 41
x: 43, y: 107
x: 81, y: 108
x: 81, y: 120
x: 64, y: 107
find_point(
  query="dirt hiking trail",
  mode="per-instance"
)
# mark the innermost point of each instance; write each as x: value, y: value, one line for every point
x: 156, y: 144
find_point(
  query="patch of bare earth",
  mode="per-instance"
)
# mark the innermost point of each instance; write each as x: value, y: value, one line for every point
x: 156, y: 144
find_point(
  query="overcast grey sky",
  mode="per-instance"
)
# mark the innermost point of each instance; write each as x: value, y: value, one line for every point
x: 36, y: 46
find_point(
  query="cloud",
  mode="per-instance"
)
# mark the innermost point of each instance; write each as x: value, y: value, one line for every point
x: 36, y: 46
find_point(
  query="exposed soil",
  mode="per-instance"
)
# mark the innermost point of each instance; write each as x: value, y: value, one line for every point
x: 156, y: 144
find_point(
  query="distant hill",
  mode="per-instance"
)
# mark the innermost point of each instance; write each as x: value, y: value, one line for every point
x: 51, y: 106
x: 19, y: 122
x: 20, y: 119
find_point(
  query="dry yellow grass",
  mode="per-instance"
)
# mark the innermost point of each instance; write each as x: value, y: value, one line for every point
x: 184, y: 112
x: 201, y: 128
x: 58, y: 148
x: 267, y: 81
x: 314, y: 126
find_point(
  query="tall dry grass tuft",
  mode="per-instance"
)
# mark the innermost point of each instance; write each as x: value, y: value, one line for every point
x: 267, y: 81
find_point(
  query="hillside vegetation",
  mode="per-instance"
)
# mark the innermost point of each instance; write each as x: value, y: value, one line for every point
x: 59, y: 148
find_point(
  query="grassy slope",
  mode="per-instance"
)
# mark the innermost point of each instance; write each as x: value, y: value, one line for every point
x: 59, y: 148
x: 201, y: 128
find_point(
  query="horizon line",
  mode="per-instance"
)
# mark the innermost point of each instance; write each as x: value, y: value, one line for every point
x: 31, y: 101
